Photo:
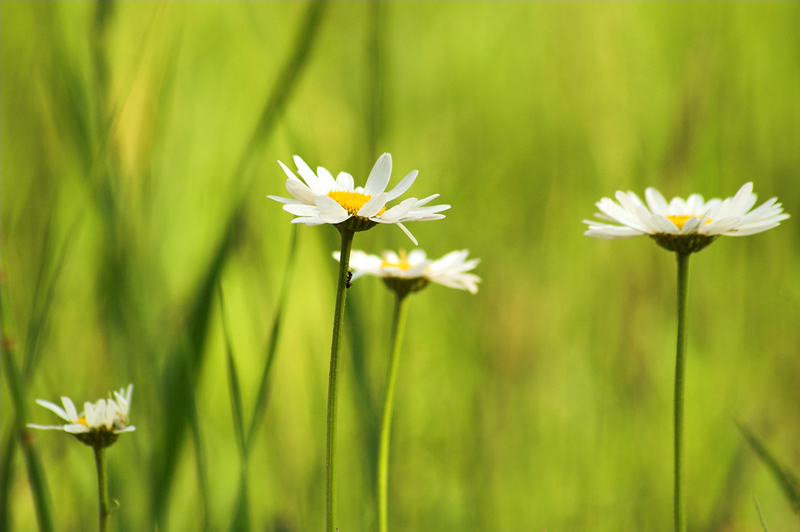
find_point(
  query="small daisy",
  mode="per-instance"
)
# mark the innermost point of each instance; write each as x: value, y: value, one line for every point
x: 325, y: 200
x: 100, y: 423
x: 685, y: 226
x: 412, y: 272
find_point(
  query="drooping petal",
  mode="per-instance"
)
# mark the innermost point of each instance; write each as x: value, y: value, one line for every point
x: 408, y: 233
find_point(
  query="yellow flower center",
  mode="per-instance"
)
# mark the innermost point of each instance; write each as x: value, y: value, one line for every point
x: 82, y: 421
x: 403, y: 264
x: 680, y: 220
x: 352, y: 201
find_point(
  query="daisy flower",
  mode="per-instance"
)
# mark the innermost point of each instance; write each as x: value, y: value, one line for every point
x: 100, y: 423
x: 685, y: 226
x: 410, y: 273
x: 325, y: 200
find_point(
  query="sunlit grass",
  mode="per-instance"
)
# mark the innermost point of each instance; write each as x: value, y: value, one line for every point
x: 541, y: 403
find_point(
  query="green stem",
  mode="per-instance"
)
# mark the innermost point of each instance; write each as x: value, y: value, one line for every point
x: 333, y: 377
x: 398, y: 325
x: 102, y: 487
x: 680, y: 370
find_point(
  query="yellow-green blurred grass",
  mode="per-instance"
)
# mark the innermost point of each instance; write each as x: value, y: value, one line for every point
x: 544, y: 402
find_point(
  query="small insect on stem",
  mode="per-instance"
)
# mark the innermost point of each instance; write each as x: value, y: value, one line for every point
x: 349, y: 278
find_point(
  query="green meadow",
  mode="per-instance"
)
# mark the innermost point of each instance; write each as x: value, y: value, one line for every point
x: 138, y: 143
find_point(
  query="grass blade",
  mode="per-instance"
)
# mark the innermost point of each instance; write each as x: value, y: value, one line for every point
x: 36, y: 324
x: 785, y: 478
x: 272, y: 343
x: 179, y: 379
x: 36, y: 474
x: 284, y: 85
x: 760, y: 516
x: 233, y: 380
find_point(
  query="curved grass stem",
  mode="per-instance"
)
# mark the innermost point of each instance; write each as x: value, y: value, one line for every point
x: 680, y: 370
x: 398, y: 326
x: 333, y: 377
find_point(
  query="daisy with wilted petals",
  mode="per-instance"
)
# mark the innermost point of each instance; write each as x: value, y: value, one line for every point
x: 412, y: 272
x: 685, y: 227
x: 406, y: 274
x: 325, y: 200
x: 99, y: 423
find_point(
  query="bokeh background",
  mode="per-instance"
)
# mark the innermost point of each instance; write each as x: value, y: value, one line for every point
x: 138, y: 142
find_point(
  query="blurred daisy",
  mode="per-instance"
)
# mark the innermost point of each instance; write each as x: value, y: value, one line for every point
x: 100, y: 423
x: 685, y: 226
x: 325, y: 200
x: 410, y: 273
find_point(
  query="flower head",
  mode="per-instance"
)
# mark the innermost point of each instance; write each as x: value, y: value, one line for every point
x: 325, y: 200
x: 685, y: 226
x: 100, y: 423
x: 411, y: 273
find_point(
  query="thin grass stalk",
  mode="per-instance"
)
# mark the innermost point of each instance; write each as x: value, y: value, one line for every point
x: 272, y: 344
x: 680, y: 371
x: 760, y: 516
x: 398, y: 327
x: 30, y: 359
x: 788, y: 481
x: 102, y: 487
x: 36, y: 475
x: 333, y: 379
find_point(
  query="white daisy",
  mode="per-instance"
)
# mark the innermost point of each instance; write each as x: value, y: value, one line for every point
x: 682, y: 225
x: 409, y: 273
x: 99, y: 424
x: 325, y: 200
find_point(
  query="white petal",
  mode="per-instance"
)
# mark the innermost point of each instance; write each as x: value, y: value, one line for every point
x: 309, y: 220
x: 285, y: 200
x: 345, y: 181
x: 302, y: 209
x: 694, y: 204
x: 379, y: 176
x: 690, y: 226
x: 332, y: 217
x: 656, y: 202
x: 326, y: 204
x: 408, y: 234
x: 72, y: 412
x: 288, y: 172
x: 76, y: 428
x: 402, y: 186
x: 677, y: 207
x: 417, y: 256
x: 664, y: 224
x: 373, y: 206
x: 45, y: 427
x: 326, y: 179
x: 741, y: 199
x: 129, y: 428
x: 60, y: 412
x: 300, y: 191
x: 310, y: 177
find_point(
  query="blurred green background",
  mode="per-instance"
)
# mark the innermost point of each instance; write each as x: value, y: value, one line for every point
x: 138, y: 142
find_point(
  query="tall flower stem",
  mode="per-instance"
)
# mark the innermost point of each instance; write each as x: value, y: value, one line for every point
x: 333, y: 377
x: 398, y: 326
x: 680, y: 370
x: 102, y: 487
